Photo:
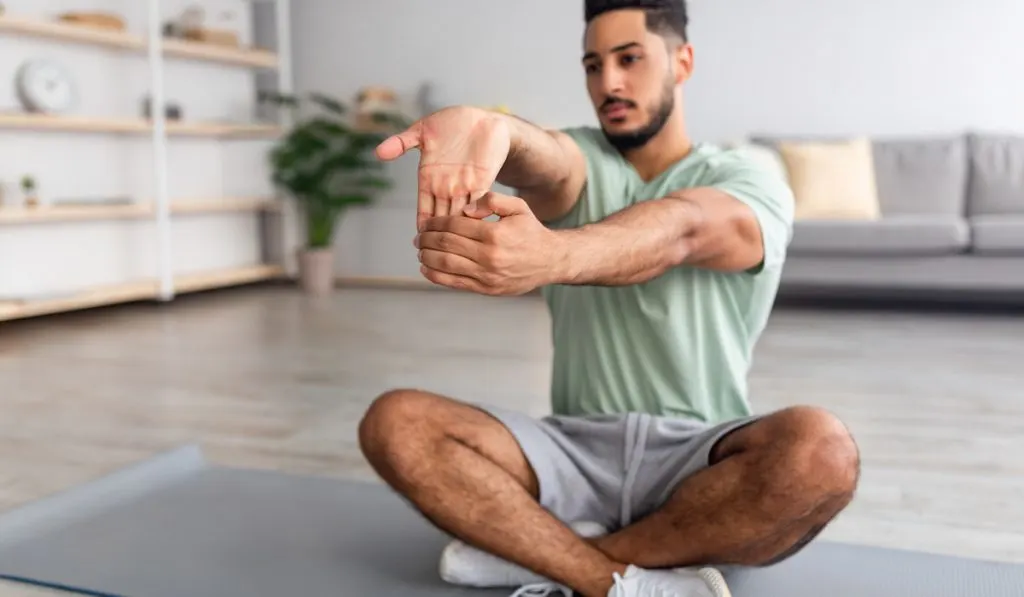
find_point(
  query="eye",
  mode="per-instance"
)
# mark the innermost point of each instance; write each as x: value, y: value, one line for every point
x: 590, y: 68
x: 630, y: 58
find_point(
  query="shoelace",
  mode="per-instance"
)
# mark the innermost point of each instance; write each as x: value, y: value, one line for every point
x: 548, y: 588
x: 542, y: 589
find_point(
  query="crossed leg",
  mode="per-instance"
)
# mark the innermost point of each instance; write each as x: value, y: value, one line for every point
x: 772, y: 487
x: 466, y: 474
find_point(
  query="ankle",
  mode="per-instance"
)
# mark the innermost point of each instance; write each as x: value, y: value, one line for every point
x: 603, y: 584
x: 610, y: 547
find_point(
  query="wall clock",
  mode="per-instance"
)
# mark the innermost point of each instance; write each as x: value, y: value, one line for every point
x: 45, y: 86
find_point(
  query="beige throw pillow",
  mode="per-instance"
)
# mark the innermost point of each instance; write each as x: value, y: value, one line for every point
x: 832, y: 181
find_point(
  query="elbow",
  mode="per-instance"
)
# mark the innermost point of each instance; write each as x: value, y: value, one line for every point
x: 735, y: 246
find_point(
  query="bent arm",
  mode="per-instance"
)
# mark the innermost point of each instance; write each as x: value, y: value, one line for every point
x: 546, y: 167
x: 739, y: 223
x: 699, y: 227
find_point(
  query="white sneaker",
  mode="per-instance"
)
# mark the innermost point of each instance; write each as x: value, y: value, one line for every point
x: 638, y: 582
x: 682, y: 582
x: 463, y: 564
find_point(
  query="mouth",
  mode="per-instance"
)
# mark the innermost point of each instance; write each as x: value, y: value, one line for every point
x: 616, y: 111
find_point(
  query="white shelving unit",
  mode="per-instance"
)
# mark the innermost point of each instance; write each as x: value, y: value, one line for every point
x: 56, y: 258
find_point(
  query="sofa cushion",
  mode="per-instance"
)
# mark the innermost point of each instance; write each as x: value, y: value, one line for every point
x: 922, y: 176
x: 998, y: 234
x: 997, y: 174
x: 832, y: 181
x: 896, y: 235
x: 915, y: 176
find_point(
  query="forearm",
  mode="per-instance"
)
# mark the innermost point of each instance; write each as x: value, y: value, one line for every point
x: 537, y: 158
x: 632, y: 246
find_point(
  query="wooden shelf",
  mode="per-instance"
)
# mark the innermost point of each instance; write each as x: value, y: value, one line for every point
x: 120, y: 40
x: 137, y: 291
x: 224, y: 205
x: 133, y: 126
x: 135, y: 211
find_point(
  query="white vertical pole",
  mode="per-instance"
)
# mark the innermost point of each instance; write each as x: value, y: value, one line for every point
x: 157, y: 113
x: 290, y: 231
x: 284, y: 51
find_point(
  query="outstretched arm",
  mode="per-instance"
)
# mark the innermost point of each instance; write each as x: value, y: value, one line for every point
x: 740, y: 224
x: 465, y: 150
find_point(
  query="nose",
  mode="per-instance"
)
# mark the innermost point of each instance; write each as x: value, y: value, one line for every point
x: 612, y: 80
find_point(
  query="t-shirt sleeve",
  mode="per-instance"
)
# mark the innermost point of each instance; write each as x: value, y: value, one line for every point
x: 768, y: 194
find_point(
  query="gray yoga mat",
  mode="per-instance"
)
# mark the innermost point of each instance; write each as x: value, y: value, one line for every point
x: 176, y: 525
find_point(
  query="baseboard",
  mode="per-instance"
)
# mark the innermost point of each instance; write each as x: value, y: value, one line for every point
x: 397, y: 282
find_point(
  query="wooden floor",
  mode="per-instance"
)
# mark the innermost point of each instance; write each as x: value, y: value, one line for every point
x: 266, y: 377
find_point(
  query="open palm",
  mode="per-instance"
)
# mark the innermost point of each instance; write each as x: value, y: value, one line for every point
x: 462, y: 149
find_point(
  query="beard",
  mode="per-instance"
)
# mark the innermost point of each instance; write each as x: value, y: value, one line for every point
x: 660, y: 113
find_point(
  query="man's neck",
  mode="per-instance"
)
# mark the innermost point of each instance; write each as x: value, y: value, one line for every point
x: 666, y: 148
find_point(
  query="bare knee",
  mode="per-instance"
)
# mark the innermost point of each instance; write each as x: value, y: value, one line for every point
x: 818, y: 457
x: 803, y: 453
x: 395, y: 424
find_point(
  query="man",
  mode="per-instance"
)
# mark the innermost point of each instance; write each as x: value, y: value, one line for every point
x: 659, y: 259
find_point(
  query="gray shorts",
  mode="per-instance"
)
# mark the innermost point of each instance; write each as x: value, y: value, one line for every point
x: 611, y: 469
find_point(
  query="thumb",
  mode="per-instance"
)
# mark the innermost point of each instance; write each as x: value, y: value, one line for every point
x: 496, y: 204
x: 398, y: 145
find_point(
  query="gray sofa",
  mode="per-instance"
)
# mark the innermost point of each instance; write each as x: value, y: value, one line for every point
x: 952, y: 222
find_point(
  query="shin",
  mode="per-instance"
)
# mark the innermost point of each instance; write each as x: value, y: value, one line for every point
x: 771, y: 487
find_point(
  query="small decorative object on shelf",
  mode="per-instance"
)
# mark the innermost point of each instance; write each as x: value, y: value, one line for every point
x: 190, y: 19
x: 190, y: 25
x: 89, y: 201
x: 28, y: 187
x: 97, y: 20
x: 327, y: 165
x: 45, y: 87
x: 172, y: 111
x: 371, y: 103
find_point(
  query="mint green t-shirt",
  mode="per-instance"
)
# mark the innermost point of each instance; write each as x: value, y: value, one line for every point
x: 681, y: 344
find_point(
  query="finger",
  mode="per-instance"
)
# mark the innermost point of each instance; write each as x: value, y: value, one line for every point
x: 450, y: 263
x: 448, y: 242
x: 398, y: 145
x: 496, y: 203
x: 452, y: 281
x: 470, y: 228
x: 424, y: 206
x: 442, y: 204
x: 458, y: 204
x: 441, y: 184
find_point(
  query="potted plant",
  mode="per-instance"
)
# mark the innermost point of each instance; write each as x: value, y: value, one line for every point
x: 328, y: 166
x: 28, y: 187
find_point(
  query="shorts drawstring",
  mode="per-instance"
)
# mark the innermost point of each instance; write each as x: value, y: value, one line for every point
x: 637, y: 425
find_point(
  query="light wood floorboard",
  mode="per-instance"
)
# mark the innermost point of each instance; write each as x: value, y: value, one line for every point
x: 266, y: 377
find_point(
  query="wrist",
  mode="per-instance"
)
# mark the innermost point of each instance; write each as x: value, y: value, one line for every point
x: 516, y: 134
x: 565, y: 253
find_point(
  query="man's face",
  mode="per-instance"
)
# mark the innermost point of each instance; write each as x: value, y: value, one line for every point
x: 631, y: 77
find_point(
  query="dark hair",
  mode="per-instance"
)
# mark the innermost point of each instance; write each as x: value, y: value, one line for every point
x: 667, y: 18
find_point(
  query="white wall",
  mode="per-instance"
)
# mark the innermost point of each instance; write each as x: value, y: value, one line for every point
x: 907, y: 67
x: 54, y: 258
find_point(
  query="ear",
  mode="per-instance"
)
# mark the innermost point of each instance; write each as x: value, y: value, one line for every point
x: 684, y: 62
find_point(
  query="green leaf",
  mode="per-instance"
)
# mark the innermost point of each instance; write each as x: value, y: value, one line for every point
x: 326, y: 164
x: 327, y: 103
x: 349, y: 200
